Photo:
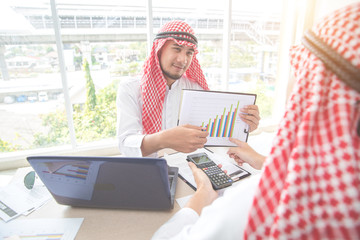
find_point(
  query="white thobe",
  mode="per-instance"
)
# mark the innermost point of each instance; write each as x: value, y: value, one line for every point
x: 129, y: 113
x: 224, y: 219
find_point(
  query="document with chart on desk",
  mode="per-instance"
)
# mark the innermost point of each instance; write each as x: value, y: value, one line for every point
x: 217, y: 112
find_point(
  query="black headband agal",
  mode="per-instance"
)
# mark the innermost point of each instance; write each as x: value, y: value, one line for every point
x: 184, y: 36
x: 336, y: 63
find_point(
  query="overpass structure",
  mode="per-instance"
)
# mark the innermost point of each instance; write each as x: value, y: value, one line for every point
x: 108, y: 23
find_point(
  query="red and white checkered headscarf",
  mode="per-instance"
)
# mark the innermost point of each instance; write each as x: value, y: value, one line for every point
x: 310, y: 187
x: 153, y: 82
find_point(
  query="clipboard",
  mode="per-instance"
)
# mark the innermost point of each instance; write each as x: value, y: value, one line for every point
x: 178, y: 159
x: 217, y: 112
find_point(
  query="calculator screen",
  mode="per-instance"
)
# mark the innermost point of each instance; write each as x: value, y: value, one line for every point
x: 201, y: 159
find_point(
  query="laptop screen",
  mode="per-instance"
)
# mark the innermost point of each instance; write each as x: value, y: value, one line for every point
x: 106, y: 182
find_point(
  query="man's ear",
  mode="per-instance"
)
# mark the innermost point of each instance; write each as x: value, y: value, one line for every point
x: 159, y: 53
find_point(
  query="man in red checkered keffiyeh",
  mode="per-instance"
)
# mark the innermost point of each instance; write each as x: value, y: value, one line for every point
x: 148, y: 109
x: 310, y: 187
x: 310, y: 184
x: 154, y: 81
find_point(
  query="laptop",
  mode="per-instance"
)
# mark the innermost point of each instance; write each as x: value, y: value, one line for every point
x: 108, y: 182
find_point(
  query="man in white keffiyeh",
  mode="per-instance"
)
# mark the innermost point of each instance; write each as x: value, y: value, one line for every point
x: 148, y: 109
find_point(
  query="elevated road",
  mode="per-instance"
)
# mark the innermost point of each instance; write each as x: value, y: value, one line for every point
x: 94, y: 35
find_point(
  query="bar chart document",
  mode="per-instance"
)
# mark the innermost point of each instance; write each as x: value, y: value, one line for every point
x: 217, y: 112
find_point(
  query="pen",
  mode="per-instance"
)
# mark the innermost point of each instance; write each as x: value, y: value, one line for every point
x: 236, y: 173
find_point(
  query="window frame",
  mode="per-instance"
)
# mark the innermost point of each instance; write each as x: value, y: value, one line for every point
x: 109, y: 147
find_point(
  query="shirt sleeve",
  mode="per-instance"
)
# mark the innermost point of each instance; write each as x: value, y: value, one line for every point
x: 225, y: 218
x: 129, y: 125
x: 129, y: 115
x: 177, y: 224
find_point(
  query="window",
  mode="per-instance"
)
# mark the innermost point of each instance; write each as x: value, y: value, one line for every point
x: 215, y: 23
x: 48, y: 22
x: 202, y: 23
x: 98, y: 22
x: 114, y: 22
x: 140, y: 22
x: 67, y: 21
x: 83, y: 22
x: 36, y: 21
x: 156, y: 22
x: 100, y: 49
x: 128, y: 22
x: 254, y: 50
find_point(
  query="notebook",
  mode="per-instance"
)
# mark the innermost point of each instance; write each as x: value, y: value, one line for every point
x: 108, y: 182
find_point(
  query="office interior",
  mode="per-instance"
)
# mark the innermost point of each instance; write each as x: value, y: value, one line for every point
x: 243, y: 47
x: 45, y: 46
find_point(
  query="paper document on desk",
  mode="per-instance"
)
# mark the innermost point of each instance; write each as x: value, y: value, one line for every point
x: 41, y: 229
x: 179, y: 160
x: 217, y: 112
x: 16, y: 199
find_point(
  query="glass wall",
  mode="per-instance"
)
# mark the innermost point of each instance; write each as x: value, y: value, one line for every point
x: 105, y: 42
x: 31, y: 94
x: 255, y: 38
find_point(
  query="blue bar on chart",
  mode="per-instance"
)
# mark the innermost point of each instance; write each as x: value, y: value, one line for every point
x: 222, y: 126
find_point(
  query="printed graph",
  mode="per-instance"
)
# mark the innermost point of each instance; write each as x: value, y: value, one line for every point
x: 217, y: 112
x: 223, y: 125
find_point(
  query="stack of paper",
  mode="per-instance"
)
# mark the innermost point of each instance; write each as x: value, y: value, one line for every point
x: 16, y: 199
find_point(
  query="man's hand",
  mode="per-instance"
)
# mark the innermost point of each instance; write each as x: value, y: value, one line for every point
x: 185, y: 138
x: 201, y: 179
x: 250, y: 115
x: 205, y: 194
x: 243, y: 153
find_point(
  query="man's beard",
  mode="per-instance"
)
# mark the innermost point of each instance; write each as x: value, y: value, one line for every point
x: 171, y: 76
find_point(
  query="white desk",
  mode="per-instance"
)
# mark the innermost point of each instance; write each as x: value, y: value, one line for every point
x: 113, y: 223
x: 116, y: 223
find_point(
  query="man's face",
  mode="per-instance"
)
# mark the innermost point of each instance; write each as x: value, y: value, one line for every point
x: 175, y: 60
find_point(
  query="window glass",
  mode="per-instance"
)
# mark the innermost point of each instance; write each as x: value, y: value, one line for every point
x: 98, y: 54
x: 31, y: 94
x: 111, y: 48
x: 104, y: 42
x: 255, y: 36
x: 206, y: 17
x: 254, y: 43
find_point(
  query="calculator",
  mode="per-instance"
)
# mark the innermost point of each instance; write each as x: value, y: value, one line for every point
x: 218, y: 177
